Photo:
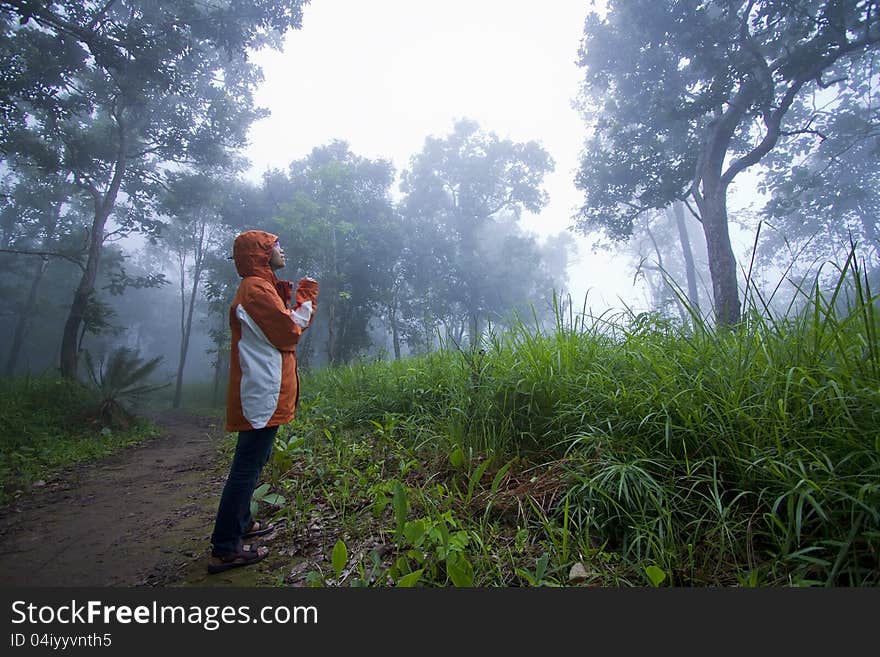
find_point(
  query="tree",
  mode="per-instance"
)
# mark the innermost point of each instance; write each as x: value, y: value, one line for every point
x: 221, y: 282
x: 830, y: 190
x: 335, y: 223
x: 662, y: 243
x: 684, y: 95
x: 132, y: 90
x: 193, y: 203
x: 454, y: 190
x: 37, y: 222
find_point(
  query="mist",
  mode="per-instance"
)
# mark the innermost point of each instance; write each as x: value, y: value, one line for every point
x: 441, y: 235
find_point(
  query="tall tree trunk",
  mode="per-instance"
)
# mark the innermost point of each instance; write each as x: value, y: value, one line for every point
x: 103, y: 208
x: 28, y: 310
x: 710, y: 193
x: 331, y: 333
x: 24, y: 316
x: 872, y: 233
x: 427, y: 332
x: 688, y: 254
x: 662, y: 293
x: 70, y: 336
x: 722, y: 262
x: 334, y: 289
x: 395, y: 333
x: 220, y: 366
x: 186, y: 325
x: 473, y: 327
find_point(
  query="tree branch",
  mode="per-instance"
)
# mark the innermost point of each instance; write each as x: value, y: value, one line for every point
x: 44, y: 17
x: 85, y: 183
x: 100, y: 14
x: 825, y: 85
x: 121, y: 232
x: 773, y: 119
x: 46, y: 254
x: 803, y: 131
x: 693, y: 212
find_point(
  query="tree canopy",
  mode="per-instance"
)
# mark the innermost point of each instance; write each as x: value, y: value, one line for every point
x: 115, y: 95
x: 681, y: 96
x: 456, y: 189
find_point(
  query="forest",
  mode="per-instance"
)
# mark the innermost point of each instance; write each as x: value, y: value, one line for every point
x: 458, y: 406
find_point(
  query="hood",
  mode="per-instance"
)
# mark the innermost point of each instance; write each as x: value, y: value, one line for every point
x: 251, y: 252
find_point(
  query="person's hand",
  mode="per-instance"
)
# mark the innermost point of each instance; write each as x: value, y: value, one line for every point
x: 306, y: 287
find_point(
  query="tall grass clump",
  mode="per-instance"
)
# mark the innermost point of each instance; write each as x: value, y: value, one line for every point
x: 739, y: 455
x: 751, y: 451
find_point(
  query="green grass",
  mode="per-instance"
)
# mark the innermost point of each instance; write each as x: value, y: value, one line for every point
x: 47, y: 424
x: 643, y: 451
x: 622, y: 450
x: 197, y: 397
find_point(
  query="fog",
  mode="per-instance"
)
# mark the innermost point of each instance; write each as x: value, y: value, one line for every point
x: 441, y: 169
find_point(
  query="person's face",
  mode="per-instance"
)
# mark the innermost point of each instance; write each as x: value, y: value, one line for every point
x: 277, y: 259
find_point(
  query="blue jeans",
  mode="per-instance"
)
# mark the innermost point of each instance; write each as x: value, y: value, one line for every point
x: 252, y: 452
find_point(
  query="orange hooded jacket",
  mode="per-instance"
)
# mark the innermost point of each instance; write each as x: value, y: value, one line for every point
x: 263, y: 380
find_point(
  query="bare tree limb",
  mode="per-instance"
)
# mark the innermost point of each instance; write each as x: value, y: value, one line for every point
x: 46, y: 254
x: 803, y: 131
x: 830, y: 83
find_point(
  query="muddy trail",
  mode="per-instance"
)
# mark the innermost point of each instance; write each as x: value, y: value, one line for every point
x: 141, y: 517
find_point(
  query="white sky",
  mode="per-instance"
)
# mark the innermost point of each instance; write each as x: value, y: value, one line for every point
x: 385, y: 74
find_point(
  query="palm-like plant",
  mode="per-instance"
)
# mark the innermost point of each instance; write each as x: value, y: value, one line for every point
x: 120, y: 378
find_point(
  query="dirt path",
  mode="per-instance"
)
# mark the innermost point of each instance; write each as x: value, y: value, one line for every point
x: 142, y: 517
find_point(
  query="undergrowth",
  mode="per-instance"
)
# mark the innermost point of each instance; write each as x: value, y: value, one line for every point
x: 612, y: 450
x: 48, y: 423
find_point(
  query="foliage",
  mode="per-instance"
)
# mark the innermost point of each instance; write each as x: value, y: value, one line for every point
x: 463, y: 195
x: 262, y: 494
x: 43, y: 429
x: 684, y: 95
x: 115, y: 95
x: 338, y: 221
x: 823, y: 195
x: 637, y: 449
x: 120, y: 379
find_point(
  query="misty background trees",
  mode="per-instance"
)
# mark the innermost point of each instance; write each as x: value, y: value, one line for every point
x: 123, y: 180
x: 684, y: 96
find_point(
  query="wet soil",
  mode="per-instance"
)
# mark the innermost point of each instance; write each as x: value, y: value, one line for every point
x: 142, y: 517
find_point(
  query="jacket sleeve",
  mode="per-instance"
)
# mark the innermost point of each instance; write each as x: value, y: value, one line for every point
x: 305, y: 302
x: 262, y: 303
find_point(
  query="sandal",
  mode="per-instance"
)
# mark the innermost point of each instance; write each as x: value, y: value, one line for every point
x: 244, y: 557
x: 258, y: 528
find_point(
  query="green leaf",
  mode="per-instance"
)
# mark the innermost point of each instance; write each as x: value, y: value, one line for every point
x: 400, y: 504
x: 526, y: 575
x: 275, y: 499
x: 339, y: 557
x: 460, y: 570
x: 410, y: 580
x: 496, y: 480
x: 414, y: 531
x: 541, y: 566
x: 456, y: 457
x: 655, y: 575
x: 475, y: 478
x: 261, y: 491
x: 380, y: 501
